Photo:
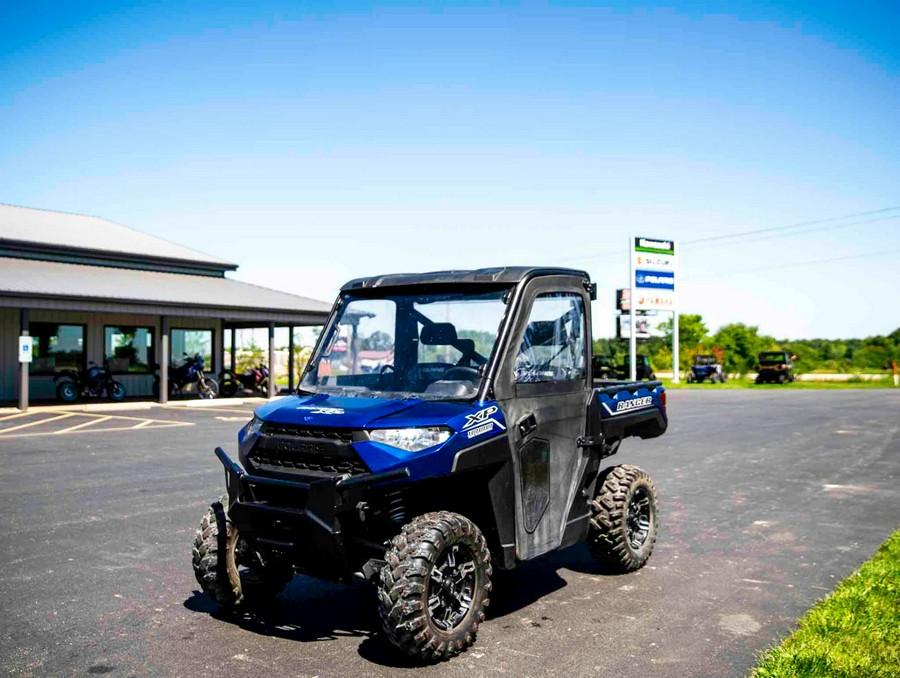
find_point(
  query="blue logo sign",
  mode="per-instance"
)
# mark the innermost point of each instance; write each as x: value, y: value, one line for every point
x: 657, y: 280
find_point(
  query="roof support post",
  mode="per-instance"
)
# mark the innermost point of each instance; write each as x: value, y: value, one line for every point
x: 271, y: 392
x: 23, y: 367
x: 291, y: 358
x: 163, y: 360
x: 233, y: 350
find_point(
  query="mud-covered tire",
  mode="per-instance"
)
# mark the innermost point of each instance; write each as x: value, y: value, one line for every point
x: 259, y: 583
x: 407, y: 586
x: 615, y: 539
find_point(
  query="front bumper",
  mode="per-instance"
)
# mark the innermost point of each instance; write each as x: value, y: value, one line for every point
x: 306, y: 527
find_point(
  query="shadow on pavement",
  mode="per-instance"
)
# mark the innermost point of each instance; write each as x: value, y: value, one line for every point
x: 311, y: 610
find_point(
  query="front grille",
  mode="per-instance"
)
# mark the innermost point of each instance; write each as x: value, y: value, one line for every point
x: 284, y: 448
x: 318, y: 463
x: 338, y: 435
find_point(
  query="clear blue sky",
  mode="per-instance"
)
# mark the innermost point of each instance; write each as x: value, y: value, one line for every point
x: 312, y: 143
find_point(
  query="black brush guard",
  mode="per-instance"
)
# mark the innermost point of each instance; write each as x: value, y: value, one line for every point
x: 308, y: 533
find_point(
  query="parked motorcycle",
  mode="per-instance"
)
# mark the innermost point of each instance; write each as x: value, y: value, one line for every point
x: 90, y: 383
x: 254, y: 379
x: 191, y: 371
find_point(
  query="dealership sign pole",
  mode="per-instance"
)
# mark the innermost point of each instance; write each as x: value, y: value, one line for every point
x: 653, y: 267
x: 632, y: 335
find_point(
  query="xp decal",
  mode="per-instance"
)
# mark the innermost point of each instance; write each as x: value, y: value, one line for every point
x: 321, y: 410
x: 482, y: 422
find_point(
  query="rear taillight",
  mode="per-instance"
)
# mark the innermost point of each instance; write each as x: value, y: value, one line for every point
x: 663, y: 399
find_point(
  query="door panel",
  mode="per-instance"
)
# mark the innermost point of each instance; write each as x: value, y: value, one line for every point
x: 534, y: 457
x: 547, y: 402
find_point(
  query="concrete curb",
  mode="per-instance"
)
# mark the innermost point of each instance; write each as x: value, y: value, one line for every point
x: 137, y: 405
x: 83, y: 407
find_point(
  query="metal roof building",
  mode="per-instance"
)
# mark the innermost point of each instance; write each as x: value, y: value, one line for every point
x: 90, y: 290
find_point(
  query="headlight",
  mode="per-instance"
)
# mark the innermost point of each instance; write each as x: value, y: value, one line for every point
x: 411, y: 439
x: 254, y: 426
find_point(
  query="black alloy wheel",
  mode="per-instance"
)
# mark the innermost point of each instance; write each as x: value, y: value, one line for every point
x: 451, y: 587
x: 434, y: 586
x: 637, y: 521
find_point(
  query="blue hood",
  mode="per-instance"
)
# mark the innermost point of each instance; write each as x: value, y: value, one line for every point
x: 357, y: 413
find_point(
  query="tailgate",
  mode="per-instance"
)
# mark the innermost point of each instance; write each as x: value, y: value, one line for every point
x: 628, y: 409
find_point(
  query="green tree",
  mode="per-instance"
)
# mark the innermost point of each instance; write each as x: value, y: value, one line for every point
x: 692, y: 336
x: 378, y: 341
x: 741, y: 344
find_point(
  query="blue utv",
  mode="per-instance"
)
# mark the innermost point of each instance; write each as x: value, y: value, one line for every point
x: 447, y: 423
x: 706, y: 367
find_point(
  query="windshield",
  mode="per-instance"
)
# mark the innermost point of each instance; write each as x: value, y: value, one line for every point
x: 773, y: 357
x: 704, y: 360
x: 432, y: 346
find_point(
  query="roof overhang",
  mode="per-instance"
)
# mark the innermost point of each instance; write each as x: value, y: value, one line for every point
x: 238, y: 316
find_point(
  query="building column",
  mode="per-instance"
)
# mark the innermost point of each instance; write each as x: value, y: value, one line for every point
x: 218, y: 350
x: 271, y: 360
x: 233, y: 350
x: 291, y: 358
x: 163, y: 360
x: 23, y: 367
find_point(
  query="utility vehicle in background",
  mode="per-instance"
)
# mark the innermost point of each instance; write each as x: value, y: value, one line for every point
x: 706, y: 367
x: 481, y: 444
x: 605, y: 368
x: 775, y: 367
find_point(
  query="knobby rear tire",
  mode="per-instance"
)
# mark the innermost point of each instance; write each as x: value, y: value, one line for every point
x: 609, y: 536
x: 405, y: 583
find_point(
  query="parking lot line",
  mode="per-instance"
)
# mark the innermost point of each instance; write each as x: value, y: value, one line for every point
x: 97, y: 423
x: 15, y: 416
x: 78, y: 427
x: 36, y: 423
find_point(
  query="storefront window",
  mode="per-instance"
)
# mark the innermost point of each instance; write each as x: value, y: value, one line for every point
x: 128, y: 349
x: 56, y: 347
x: 192, y: 342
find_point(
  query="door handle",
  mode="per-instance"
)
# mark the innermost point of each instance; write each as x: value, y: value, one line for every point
x: 526, y: 425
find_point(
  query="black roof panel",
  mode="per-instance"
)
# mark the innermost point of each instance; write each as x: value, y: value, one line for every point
x: 501, y: 275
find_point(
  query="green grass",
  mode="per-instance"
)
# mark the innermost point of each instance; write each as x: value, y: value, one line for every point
x: 854, y: 632
x: 749, y: 384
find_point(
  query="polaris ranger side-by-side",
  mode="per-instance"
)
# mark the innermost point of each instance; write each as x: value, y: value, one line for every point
x: 706, y: 367
x: 775, y: 366
x: 446, y: 424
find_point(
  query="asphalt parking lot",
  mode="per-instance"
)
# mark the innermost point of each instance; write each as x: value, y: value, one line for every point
x: 768, y: 499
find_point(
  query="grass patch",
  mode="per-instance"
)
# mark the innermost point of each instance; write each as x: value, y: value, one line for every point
x: 803, y: 385
x: 854, y: 632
